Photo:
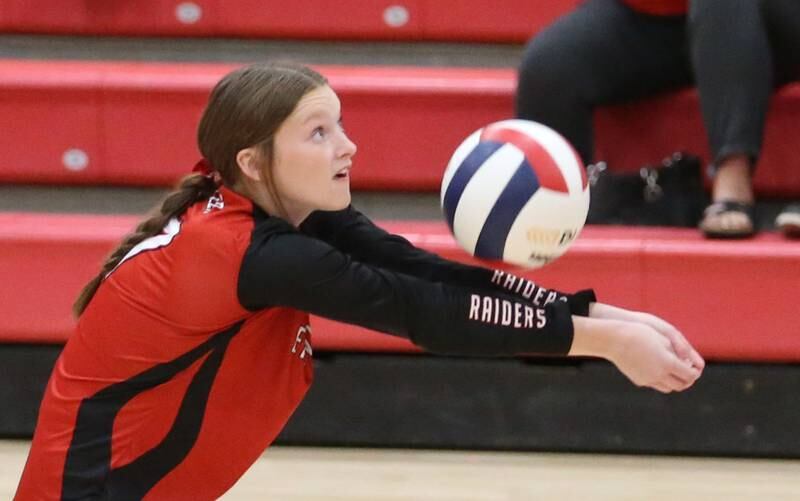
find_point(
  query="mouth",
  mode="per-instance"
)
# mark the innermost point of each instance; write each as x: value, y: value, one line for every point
x: 343, y: 173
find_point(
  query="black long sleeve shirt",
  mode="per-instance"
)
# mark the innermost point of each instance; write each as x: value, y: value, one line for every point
x: 341, y: 266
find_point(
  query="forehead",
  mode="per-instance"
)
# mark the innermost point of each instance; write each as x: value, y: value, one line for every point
x: 320, y: 101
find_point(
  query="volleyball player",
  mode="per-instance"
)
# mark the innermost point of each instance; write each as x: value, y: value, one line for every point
x: 193, y: 345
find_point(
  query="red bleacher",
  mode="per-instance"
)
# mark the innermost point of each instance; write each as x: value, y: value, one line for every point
x: 134, y: 123
x: 114, y: 123
x: 730, y: 299
x: 80, y: 106
x: 464, y: 20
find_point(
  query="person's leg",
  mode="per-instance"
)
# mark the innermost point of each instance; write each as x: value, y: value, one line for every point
x: 601, y: 53
x: 783, y: 22
x: 783, y: 26
x: 733, y: 69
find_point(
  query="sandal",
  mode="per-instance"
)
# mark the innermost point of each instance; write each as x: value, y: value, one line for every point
x: 788, y: 221
x: 722, y: 207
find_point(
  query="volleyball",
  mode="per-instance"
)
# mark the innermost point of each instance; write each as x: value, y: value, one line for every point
x: 515, y: 191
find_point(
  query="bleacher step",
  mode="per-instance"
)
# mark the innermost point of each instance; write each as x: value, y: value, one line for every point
x: 423, y: 114
x: 247, y: 50
x: 727, y: 297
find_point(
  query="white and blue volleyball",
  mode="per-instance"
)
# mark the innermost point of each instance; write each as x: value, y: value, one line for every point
x: 515, y: 191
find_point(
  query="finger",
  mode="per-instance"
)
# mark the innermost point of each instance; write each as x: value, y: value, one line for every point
x: 682, y: 347
x: 657, y: 323
x: 679, y: 384
x: 664, y: 327
x: 673, y: 382
x: 690, y: 355
x: 661, y: 387
x: 660, y: 324
x: 697, y: 360
x: 679, y: 343
x: 684, y: 371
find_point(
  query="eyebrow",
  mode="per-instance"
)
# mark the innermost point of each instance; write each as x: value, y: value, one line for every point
x: 318, y: 114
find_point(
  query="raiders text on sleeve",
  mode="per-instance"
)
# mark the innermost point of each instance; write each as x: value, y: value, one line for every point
x: 283, y: 267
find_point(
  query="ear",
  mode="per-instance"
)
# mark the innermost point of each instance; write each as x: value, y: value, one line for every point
x: 247, y: 160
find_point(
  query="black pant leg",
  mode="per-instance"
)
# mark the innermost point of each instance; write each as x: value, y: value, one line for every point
x: 601, y: 53
x: 783, y: 24
x: 733, y: 69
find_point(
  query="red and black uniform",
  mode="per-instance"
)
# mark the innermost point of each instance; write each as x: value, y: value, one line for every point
x: 196, y: 349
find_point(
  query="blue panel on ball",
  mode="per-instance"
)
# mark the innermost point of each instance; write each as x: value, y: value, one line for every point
x: 469, y: 166
x: 520, y: 188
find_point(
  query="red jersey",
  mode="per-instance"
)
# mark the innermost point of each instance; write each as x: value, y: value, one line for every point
x: 196, y: 348
x: 659, y: 7
x: 169, y: 388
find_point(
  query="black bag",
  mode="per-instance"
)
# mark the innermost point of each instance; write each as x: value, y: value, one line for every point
x: 670, y: 194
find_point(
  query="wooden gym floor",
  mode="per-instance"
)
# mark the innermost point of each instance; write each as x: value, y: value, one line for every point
x: 311, y: 474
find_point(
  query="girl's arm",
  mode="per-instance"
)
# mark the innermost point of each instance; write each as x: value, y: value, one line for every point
x: 284, y: 268
x: 353, y: 233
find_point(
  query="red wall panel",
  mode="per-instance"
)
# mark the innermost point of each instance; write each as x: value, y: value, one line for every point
x: 6, y: 23
x: 131, y: 17
x: 734, y: 300
x: 362, y: 19
x: 465, y: 20
x: 50, y: 127
x: 45, y: 260
x: 408, y: 122
x: 152, y: 112
x: 498, y: 21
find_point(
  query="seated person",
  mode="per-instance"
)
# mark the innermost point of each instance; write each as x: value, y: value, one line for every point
x: 610, y: 51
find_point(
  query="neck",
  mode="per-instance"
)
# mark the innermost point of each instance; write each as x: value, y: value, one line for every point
x: 260, y: 196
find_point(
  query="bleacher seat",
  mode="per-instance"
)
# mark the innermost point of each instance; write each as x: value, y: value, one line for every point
x: 464, y: 20
x: 728, y: 298
x: 134, y: 123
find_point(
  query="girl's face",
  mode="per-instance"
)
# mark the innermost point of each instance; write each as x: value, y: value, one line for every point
x: 313, y: 156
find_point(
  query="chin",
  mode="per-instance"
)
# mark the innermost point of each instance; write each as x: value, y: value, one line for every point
x: 334, y: 204
x: 344, y: 203
x: 340, y: 201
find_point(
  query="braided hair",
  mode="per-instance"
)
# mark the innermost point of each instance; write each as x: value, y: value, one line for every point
x: 245, y: 109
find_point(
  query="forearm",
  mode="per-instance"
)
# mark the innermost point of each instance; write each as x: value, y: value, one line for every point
x: 609, y: 312
x: 485, y: 324
x: 594, y: 337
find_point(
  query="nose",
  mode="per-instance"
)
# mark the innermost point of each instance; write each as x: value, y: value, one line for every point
x: 347, y: 148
